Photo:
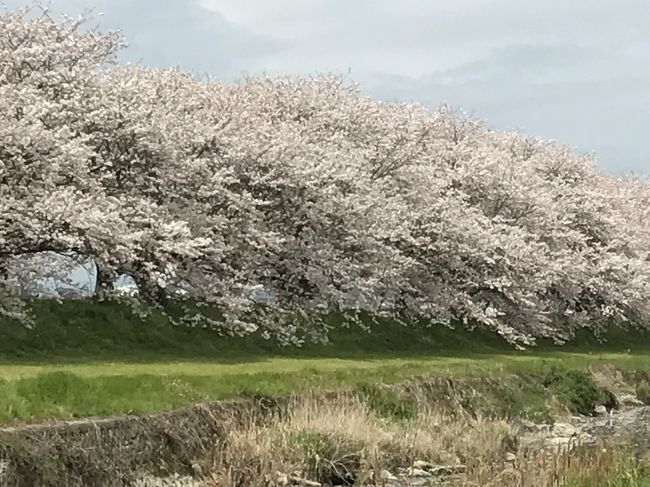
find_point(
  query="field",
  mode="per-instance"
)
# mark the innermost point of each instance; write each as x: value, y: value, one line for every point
x: 85, y: 358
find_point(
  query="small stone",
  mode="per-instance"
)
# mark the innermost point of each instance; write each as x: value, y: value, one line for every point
x: 629, y: 400
x: 587, y: 439
x: 422, y: 464
x: 510, y: 457
x: 564, y: 430
x: 559, y: 441
x: 305, y: 482
x: 416, y: 472
x: 175, y: 480
x: 600, y: 410
x: 386, y: 475
x: 447, y: 470
x: 282, y: 479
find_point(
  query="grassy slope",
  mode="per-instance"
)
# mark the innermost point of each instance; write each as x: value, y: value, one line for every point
x: 91, y: 358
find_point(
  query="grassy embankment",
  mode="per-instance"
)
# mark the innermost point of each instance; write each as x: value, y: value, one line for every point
x: 86, y: 358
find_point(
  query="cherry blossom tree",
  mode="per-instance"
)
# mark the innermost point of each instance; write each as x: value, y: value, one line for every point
x: 207, y: 193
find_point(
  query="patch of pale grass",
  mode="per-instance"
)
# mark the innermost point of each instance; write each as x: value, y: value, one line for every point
x: 342, y: 438
x: 602, y: 466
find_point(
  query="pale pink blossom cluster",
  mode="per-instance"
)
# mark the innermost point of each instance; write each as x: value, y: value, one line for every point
x: 322, y: 198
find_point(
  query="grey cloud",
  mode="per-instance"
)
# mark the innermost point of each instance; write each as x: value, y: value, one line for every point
x: 608, y: 115
x: 173, y: 33
x: 576, y: 71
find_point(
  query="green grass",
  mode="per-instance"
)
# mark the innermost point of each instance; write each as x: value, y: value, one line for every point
x: 387, y: 403
x: 84, y: 358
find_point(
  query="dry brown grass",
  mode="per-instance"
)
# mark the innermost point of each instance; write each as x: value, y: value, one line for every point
x: 601, y: 466
x: 342, y: 439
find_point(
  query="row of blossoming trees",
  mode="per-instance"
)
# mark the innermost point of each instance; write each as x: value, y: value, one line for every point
x: 328, y: 200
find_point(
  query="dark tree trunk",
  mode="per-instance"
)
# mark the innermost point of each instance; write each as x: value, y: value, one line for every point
x: 151, y: 292
x: 104, y: 279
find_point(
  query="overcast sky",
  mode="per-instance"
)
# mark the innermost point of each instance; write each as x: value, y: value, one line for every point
x: 573, y: 70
